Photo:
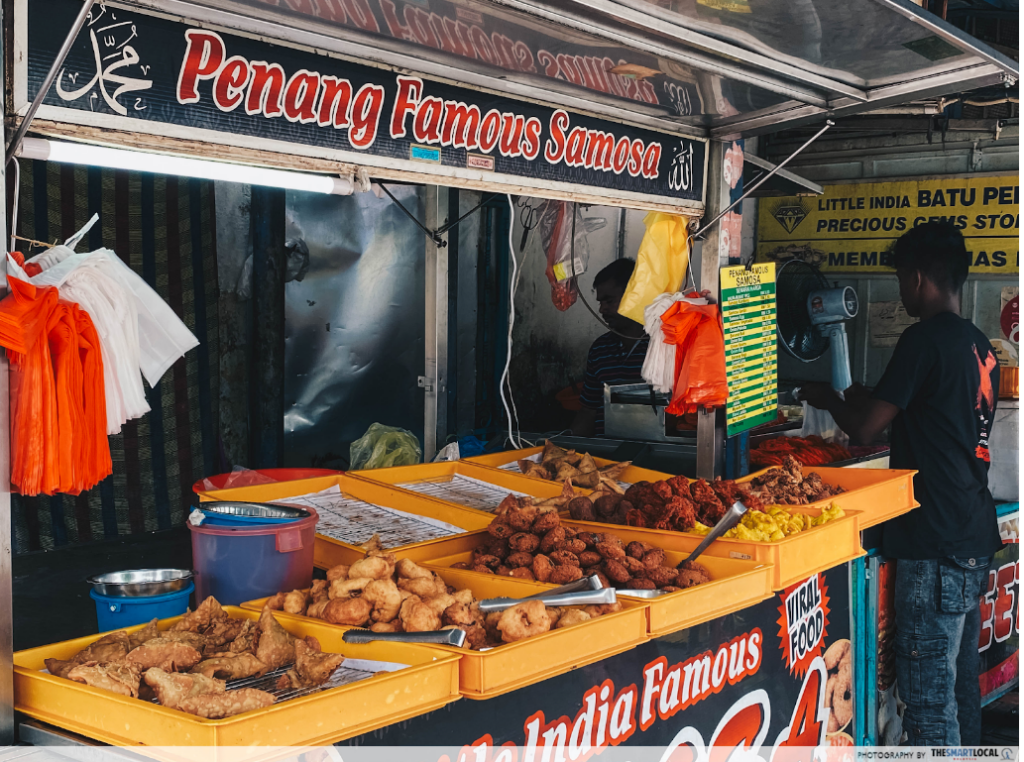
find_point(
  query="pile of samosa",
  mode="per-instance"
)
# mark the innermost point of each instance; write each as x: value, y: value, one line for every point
x: 558, y: 464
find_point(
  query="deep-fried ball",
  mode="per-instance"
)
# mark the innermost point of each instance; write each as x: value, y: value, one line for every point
x: 487, y: 560
x: 542, y: 568
x: 522, y: 542
x: 498, y: 528
x: 573, y: 546
x: 545, y: 523
x: 662, y: 575
x: 517, y: 560
x: 616, y: 572
x: 606, y: 505
x: 654, y: 558
x: 481, y: 569
x: 523, y: 572
x: 641, y: 583
x: 635, y: 568
x: 636, y: 549
x: 551, y: 539
x: 562, y: 575
x: 611, y: 550
x: 588, y: 538
x: 521, y: 518
x: 564, y: 558
x: 497, y: 547
x: 589, y: 558
x: 582, y: 509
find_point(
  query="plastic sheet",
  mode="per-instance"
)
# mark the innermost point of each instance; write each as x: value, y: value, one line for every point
x: 385, y: 446
x: 661, y: 263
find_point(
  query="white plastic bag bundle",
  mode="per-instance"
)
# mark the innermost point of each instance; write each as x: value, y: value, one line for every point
x: 659, y: 369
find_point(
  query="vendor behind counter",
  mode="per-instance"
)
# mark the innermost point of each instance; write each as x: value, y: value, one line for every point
x: 615, y: 357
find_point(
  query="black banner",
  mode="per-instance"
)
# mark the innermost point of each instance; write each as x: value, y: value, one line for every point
x: 777, y: 674
x: 134, y: 67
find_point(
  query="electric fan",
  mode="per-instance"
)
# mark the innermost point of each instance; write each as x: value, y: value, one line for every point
x: 811, y: 315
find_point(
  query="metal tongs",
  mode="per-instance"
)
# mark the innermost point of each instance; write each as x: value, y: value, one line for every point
x: 727, y: 522
x: 583, y: 588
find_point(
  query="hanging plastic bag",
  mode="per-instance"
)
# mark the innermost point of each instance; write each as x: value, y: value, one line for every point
x: 661, y: 263
x: 700, y: 357
x: 383, y: 446
x: 566, y: 248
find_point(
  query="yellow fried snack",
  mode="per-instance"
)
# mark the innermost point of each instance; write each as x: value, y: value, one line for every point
x: 774, y: 523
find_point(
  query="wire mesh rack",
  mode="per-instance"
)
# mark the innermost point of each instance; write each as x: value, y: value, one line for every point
x: 462, y: 490
x: 348, y: 519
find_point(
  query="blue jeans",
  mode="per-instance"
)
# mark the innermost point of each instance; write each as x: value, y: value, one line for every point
x: 937, y: 626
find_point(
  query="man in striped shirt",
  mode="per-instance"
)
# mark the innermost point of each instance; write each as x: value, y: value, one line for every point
x: 614, y: 358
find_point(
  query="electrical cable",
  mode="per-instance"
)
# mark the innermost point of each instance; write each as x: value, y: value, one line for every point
x: 513, y: 283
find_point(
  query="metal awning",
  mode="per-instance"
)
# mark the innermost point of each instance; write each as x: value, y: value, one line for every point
x: 718, y: 68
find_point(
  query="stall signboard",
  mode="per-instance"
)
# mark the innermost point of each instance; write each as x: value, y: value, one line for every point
x: 768, y: 677
x: 751, y: 362
x: 851, y: 227
x: 139, y: 73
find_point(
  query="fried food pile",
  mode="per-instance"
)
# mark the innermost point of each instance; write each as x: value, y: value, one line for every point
x: 679, y: 505
x: 812, y: 451
x: 787, y: 485
x: 186, y: 667
x: 391, y: 595
x: 528, y: 541
x: 775, y: 523
x: 559, y: 465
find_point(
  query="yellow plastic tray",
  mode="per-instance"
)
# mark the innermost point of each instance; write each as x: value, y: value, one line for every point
x: 501, y: 461
x: 485, y: 674
x: 876, y: 494
x: 434, y: 481
x: 327, y: 551
x: 735, y: 584
x: 430, y: 681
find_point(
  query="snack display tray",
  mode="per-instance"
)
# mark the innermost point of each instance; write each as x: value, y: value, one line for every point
x: 430, y: 681
x: 875, y: 494
x: 508, y: 462
x: 360, y: 494
x: 485, y: 674
x: 462, y: 484
x: 735, y: 584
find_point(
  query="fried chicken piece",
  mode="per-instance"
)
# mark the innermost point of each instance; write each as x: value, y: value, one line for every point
x: 411, y: 570
x: 199, y: 620
x: 418, y: 616
x: 276, y: 645
x: 148, y: 632
x: 233, y: 667
x: 312, y: 667
x: 374, y: 566
x: 386, y: 599
x: 120, y: 676
x: 168, y: 655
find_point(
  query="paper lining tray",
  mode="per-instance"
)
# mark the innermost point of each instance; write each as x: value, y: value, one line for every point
x: 323, y: 717
x: 485, y: 674
x: 735, y: 584
x: 462, y: 484
x: 508, y: 462
x: 363, y: 497
x: 876, y: 494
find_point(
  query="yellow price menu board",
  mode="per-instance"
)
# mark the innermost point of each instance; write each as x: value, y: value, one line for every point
x: 751, y: 363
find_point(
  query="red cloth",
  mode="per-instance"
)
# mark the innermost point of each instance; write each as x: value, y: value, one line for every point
x: 700, y: 357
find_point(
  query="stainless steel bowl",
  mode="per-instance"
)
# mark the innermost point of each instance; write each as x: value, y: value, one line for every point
x: 254, y: 510
x: 137, y: 583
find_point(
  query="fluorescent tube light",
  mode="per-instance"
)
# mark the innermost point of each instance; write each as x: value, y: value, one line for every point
x: 138, y: 161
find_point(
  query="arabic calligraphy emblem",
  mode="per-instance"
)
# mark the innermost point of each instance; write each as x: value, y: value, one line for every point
x: 680, y: 177
x: 112, y: 54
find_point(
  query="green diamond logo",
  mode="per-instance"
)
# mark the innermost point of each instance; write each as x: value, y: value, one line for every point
x: 790, y: 216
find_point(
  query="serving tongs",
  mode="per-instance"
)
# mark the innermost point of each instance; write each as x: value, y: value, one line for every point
x: 457, y: 637
x: 728, y: 521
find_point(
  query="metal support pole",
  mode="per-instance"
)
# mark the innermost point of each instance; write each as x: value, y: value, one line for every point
x: 51, y: 75
x: 6, y: 572
x: 435, y: 378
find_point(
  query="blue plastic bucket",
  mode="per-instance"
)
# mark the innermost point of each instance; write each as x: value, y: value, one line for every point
x: 116, y: 612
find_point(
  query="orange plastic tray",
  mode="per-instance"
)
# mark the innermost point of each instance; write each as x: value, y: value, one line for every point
x: 329, y: 551
x: 485, y: 674
x: 876, y: 494
x: 507, y: 462
x: 735, y: 584
x: 430, y: 681
x: 459, y: 483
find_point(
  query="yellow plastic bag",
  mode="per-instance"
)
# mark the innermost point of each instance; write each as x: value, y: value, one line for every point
x: 660, y: 263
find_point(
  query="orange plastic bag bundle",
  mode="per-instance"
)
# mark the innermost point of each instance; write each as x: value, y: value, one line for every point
x: 700, y: 357
x: 58, y: 403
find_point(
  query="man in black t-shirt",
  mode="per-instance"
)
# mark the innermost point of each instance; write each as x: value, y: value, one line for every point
x: 939, y: 394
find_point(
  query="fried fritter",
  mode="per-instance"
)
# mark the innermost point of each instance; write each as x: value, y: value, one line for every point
x: 417, y: 616
x: 523, y: 620
x: 168, y: 655
x: 350, y: 611
x: 203, y: 696
x: 312, y: 666
x: 232, y: 667
x: 120, y: 676
x: 199, y: 620
x: 411, y: 570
